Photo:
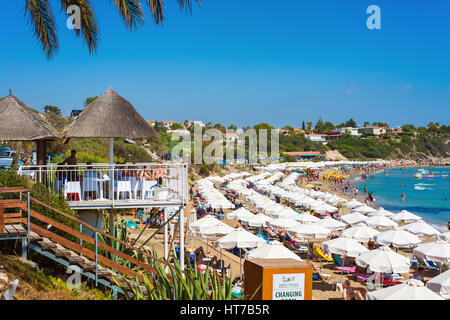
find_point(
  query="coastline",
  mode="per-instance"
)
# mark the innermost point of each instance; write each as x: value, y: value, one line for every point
x: 358, y: 181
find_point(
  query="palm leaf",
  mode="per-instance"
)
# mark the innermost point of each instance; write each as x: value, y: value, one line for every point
x: 89, y: 29
x: 131, y: 12
x: 41, y: 18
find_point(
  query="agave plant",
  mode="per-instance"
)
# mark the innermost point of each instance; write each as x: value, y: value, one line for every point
x: 172, y: 283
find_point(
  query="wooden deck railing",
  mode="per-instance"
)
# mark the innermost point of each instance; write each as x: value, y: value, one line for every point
x: 25, y: 207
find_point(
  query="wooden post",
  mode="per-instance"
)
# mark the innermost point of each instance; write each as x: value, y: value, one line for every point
x: 2, y: 220
x: 41, y: 152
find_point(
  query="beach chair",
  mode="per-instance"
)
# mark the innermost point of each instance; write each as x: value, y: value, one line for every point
x: 297, y: 248
x: 73, y: 188
x: 123, y: 187
x: 339, y: 264
x: 90, y: 185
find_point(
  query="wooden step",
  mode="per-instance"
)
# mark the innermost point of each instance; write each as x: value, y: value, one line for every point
x: 46, y: 244
x: 34, y: 237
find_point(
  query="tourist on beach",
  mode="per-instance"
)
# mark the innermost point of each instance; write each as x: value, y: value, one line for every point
x: 419, y: 274
x: 365, y: 189
x: 370, y: 196
x: 351, y: 293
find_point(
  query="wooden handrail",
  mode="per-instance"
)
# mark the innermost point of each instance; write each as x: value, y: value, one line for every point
x: 88, y: 239
x: 96, y: 230
x: 13, y: 190
x: 14, y: 217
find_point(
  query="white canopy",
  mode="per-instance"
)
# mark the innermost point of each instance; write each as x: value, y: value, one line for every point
x: 364, y: 209
x: 383, y: 260
x: 283, y: 223
x: 215, y: 231
x: 361, y: 233
x: 412, y: 289
x: 435, y: 251
x: 380, y: 222
x: 239, y: 214
x: 440, y: 284
x: 344, y: 245
x: 421, y: 229
x: 353, y: 218
x: 398, y: 238
x: 256, y: 220
x: 205, y: 223
x: 381, y: 212
x: 309, y: 230
x: 241, y: 239
x: 352, y: 204
x: 405, y: 216
x: 331, y: 223
x: 445, y: 236
x: 272, y: 250
x: 305, y: 218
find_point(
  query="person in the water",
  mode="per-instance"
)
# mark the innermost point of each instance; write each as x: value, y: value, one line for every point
x: 403, y: 196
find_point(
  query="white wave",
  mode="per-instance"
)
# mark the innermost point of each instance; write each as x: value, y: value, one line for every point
x: 421, y: 188
x: 424, y: 184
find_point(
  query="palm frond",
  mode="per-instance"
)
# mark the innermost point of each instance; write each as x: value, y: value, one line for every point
x: 41, y: 18
x: 89, y: 29
x: 131, y: 11
x: 157, y: 9
x: 187, y: 4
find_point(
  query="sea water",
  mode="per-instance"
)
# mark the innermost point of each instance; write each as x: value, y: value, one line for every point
x: 426, y: 197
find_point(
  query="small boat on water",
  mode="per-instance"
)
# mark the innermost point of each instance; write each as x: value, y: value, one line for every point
x: 430, y: 176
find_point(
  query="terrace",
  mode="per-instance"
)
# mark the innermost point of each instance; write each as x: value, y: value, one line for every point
x: 107, y: 186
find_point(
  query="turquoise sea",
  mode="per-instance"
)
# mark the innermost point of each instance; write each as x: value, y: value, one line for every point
x: 425, y: 197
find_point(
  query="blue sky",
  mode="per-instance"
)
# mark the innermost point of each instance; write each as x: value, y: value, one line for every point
x: 247, y: 61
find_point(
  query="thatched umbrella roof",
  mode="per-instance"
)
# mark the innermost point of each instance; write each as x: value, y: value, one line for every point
x: 109, y: 116
x: 18, y: 122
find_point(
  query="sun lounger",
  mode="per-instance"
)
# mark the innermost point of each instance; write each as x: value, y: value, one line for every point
x: 340, y: 266
x: 363, y: 277
x: 297, y: 248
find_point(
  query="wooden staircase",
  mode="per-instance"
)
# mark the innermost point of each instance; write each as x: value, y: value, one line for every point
x: 89, y: 254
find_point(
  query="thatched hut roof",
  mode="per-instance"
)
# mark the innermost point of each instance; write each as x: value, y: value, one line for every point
x: 109, y: 116
x: 18, y: 122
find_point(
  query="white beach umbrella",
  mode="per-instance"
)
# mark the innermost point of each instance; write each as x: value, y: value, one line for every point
x: 405, y: 216
x: 435, y: 251
x: 384, y: 260
x: 257, y: 220
x: 398, y: 238
x: 380, y: 212
x: 215, y: 231
x: 361, y: 233
x: 380, y: 222
x: 352, y: 204
x: 309, y: 230
x: 364, y: 209
x: 344, y: 245
x: 353, y: 218
x: 421, y: 229
x: 239, y: 214
x: 331, y: 224
x: 272, y: 250
x: 284, y: 213
x: 411, y: 289
x: 445, y: 236
x: 305, y: 218
x: 239, y: 238
x: 440, y: 284
x: 283, y: 223
x: 204, y: 223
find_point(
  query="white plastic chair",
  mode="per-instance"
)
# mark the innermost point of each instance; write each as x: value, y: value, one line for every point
x: 73, y: 187
x: 146, y: 187
x: 123, y: 186
x: 90, y: 185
